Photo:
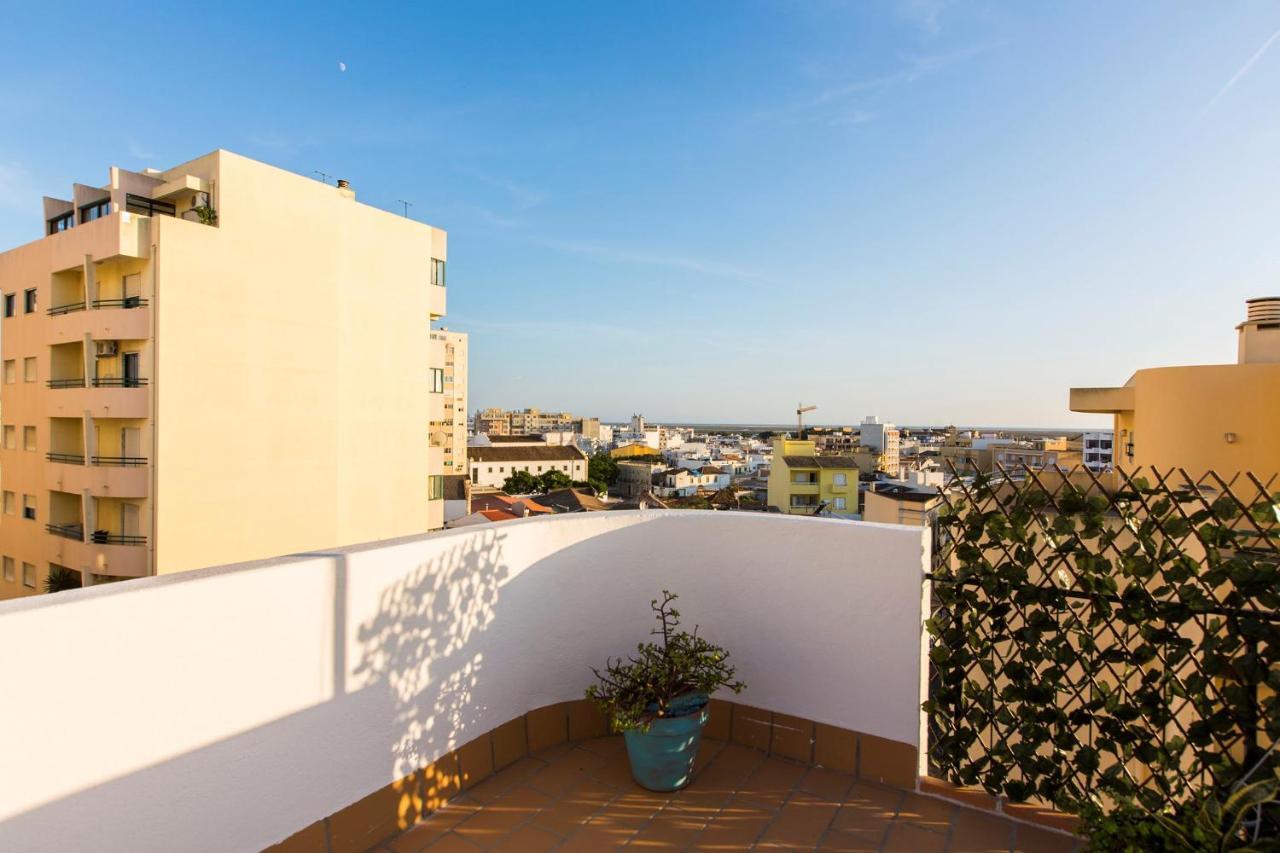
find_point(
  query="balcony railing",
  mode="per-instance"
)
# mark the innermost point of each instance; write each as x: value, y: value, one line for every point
x: 127, y: 302
x: 106, y: 537
x: 120, y: 461
x: 67, y: 383
x: 68, y: 458
x: 65, y: 309
x: 118, y: 382
x: 67, y: 531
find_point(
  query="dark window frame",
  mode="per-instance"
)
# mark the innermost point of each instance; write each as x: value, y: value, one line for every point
x: 62, y: 222
x: 148, y: 206
x: 10, y: 304
x: 438, y: 272
x: 30, y: 300
x: 99, y: 209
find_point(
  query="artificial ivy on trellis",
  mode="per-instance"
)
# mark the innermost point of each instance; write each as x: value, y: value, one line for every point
x: 1063, y: 650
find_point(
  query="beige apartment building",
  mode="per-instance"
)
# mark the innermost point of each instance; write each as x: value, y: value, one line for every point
x: 449, y: 398
x: 217, y: 362
x: 1219, y: 417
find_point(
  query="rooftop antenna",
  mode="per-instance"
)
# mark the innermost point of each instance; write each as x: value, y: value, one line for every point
x: 323, y: 177
x: 801, y: 408
x: 407, y: 205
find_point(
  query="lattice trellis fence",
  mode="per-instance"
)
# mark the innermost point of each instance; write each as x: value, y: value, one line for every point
x: 1102, y: 635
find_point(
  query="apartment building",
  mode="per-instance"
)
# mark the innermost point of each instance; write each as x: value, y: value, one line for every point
x: 802, y: 482
x: 1220, y: 417
x: 884, y: 439
x: 1098, y: 448
x: 448, y: 423
x: 217, y: 362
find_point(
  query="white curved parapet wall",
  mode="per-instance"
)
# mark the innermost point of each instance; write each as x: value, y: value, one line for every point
x: 226, y: 708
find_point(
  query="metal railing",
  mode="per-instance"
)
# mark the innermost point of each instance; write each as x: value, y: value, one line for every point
x: 127, y: 302
x: 66, y: 383
x: 118, y: 382
x: 120, y: 461
x: 68, y: 458
x: 65, y: 309
x: 67, y: 531
x: 106, y: 537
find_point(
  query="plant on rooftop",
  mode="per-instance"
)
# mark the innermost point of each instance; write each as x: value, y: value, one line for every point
x: 207, y: 215
x: 1242, y: 819
x: 658, y: 697
x: 60, y: 578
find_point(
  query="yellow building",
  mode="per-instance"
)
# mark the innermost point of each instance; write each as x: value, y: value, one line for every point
x: 802, y: 482
x: 1222, y: 417
x: 448, y: 428
x: 218, y: 362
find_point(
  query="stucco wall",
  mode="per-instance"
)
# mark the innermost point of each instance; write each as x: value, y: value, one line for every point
x: 284, y: 691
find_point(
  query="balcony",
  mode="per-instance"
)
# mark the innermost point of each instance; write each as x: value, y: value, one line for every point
x: 431, y: 686
x: 105, y: 476
x: 105, y: 397
x: 105, y: 553
x: 103, y: 319
x: 74, y: 532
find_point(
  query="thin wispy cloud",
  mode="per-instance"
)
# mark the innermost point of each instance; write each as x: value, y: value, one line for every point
x: 522, y: 197
x: 616, y: 254
x: 843, y: 97
x: 925, y: 14
x: 138, y: 152
x: 1244, y: 69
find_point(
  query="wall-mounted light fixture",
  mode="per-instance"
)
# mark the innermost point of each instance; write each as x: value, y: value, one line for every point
x: 1230, y: 437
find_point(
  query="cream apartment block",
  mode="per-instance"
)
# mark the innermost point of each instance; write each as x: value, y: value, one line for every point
x: 218, y: 362
x: 449, y: 399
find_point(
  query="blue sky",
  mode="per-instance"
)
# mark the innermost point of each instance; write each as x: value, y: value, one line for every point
x: 937, y: 212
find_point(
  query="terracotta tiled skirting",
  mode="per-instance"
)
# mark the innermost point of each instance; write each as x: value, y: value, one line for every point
x: 390, y: 811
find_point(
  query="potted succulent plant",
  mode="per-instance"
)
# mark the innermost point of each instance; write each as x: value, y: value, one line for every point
x: 658, y: 698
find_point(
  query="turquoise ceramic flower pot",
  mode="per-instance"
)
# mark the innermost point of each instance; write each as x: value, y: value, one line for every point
x: 662, y: 757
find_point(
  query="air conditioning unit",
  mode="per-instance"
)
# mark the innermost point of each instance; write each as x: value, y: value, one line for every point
x: 107, y: 349
x: 200, y: 199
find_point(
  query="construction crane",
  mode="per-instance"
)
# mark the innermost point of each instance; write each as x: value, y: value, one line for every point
x: 801, y: 408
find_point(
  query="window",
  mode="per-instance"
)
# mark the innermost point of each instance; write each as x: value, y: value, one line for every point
x: 95, y: 210
x: 28, y: 575
x: 437, y: 271
x: 842, y: 480
x: 62, y: 222
x: 10, y: 371
x: 10, y: 304
x: 437, y: 381
x: 29, y: 507
x: 29, y: 369
x: 10, y: 438
x: 435, y: 487
x: 10, y: 503
x: 29, y: 300
x: 148, y: 206
x: 8, y: 569
x: 28, y: 438
x: 840, y: 503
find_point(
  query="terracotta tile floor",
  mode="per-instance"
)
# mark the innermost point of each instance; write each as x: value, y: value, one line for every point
x: 581, y: 797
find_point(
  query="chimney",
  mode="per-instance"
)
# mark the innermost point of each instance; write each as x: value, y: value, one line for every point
x: 344, y: 188
x: 343, y: 184
x: 1260, y: 332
